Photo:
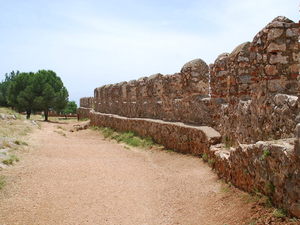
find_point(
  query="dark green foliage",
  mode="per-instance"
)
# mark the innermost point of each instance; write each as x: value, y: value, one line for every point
x: 20, y: 92
x: 4, y: 85
x: 41, y: 91
x: 70, y: 108
x: 49, y: 91
x: 3, y: 101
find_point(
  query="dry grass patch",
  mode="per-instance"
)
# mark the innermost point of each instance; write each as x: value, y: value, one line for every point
x: 13, y: 129
x: 61, y: 133
x: 11, y: 160
x: 2, y: 182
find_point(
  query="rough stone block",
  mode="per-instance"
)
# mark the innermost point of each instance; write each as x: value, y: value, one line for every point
x: 274, y: 33
x: 293, y: 32
x: 273, y: 47
x: 278, y: 58
x: 271, y: 70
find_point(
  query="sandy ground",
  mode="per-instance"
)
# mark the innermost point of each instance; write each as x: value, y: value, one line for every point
x: 83, y: 179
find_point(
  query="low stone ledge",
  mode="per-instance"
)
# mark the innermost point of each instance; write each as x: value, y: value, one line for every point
x: 270, y: 167
x: 177, y: 136
x: 83, y: 113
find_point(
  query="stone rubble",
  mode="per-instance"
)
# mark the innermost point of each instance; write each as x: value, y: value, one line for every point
x: 7, y: 117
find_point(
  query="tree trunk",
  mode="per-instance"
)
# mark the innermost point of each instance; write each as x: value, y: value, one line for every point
x: 28, y: 113
x: 46, y: 114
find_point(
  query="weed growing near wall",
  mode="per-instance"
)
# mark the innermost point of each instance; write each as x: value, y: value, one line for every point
x: 279, y: 213
x: 205, y: 157
x: 265, y: 154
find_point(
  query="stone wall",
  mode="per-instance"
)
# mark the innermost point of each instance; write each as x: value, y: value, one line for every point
x: 87, y: 102
x: 250, y: 97
x: 83, y: 113
x: 179, y: 97
x: 270, y: 167
x: 257, y: 85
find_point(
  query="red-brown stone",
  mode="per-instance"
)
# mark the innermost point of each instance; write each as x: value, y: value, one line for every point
x: 271, y: 69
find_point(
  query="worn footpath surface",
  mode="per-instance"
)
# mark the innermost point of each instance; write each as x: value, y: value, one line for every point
x: 81, y: 178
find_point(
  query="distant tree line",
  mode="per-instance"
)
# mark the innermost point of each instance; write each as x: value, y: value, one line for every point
x: 40, y: 91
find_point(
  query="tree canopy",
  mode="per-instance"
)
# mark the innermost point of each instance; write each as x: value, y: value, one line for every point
x: 41, y: 91
x: 4, y: 85
x: 49, y: 91
x: 20, y: 92
x: 70, y: 108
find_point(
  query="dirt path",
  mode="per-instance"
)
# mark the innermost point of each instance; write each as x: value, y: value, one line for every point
x: 82, y: 179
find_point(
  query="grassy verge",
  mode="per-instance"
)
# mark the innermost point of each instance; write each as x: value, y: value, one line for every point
x: 129, y: 138
x: 13, y: 130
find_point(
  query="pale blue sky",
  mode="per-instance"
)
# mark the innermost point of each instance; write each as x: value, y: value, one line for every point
x: 90, y: 43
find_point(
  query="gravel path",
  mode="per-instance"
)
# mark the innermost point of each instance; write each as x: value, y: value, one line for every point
x: 83, y: 179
